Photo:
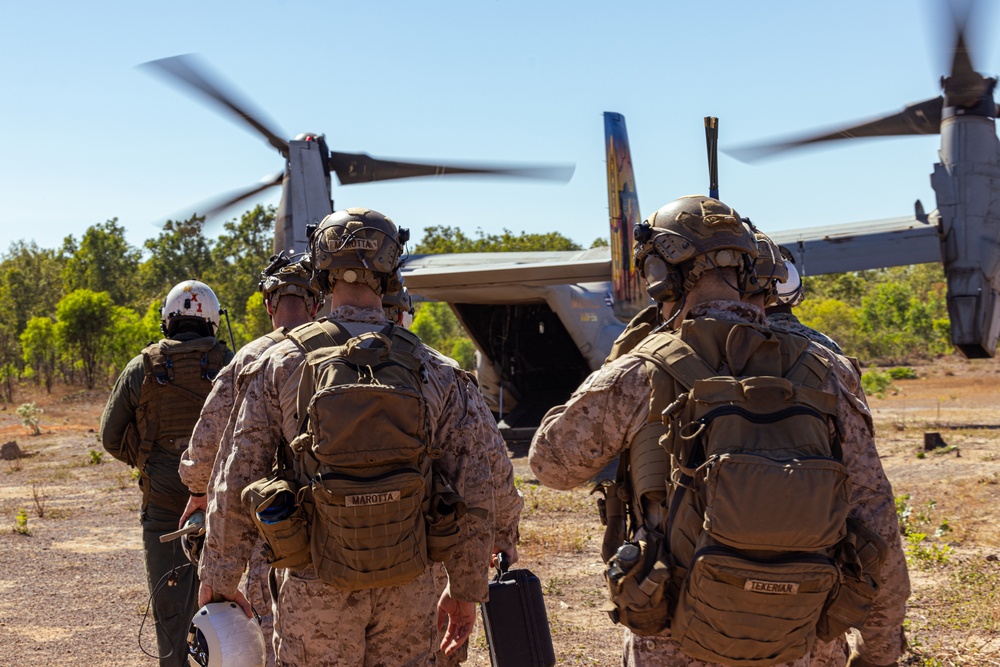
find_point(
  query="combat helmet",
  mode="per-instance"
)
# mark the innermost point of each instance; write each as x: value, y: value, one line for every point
x: 679, y: 242
x: 358, y: 245
x: 191, y: 301
x: 769, y: 267
x: 290, y: 275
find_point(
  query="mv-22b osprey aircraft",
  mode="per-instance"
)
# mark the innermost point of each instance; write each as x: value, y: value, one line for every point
x: 542, y: 321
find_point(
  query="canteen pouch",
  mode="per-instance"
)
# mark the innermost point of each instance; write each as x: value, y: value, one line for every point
x: 640, y: 599
x: 369, y: 532
x: 274, y: 505
x: 446, y: 508
x: 860, y: 556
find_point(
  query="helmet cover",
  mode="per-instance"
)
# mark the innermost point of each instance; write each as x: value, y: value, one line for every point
x: 694, y: 233
x: 358, y: 245
x: 290, y: 275
x: 769, y: 267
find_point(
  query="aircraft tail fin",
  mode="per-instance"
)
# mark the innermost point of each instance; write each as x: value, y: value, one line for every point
x: 628, y: 292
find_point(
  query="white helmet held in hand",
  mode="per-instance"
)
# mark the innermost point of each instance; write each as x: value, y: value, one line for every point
x: 222, y: 636
x: 190, y: 299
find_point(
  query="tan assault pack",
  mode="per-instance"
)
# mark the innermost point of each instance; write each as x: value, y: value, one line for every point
x: 369, y: 506
x: 753, y: 556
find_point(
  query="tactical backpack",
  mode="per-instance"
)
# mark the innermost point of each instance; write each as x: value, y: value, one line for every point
x: 755, y: 556
x: 369, y: 506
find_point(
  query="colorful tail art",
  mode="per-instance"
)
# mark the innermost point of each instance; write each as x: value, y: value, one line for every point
x: 628, y: 292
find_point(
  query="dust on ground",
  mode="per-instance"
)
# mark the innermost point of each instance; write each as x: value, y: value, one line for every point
x: 73, y: 591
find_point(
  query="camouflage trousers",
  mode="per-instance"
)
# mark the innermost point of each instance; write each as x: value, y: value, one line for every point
x: 256, y: 586
x: 664, y: 652
x: 316, y: 625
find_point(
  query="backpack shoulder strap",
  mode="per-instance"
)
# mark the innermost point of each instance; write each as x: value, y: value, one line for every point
x: 671, y: 354
x: 312, y: 338
x: 277, y: 335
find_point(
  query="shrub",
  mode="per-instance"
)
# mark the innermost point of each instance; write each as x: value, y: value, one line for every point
x: 876, y: 382
x: 21, y: 522
x: 29, y: 414
x: 902, y: 373
x: 95, y: 457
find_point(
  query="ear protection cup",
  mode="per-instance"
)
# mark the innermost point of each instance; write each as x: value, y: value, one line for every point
x: 663, y: 281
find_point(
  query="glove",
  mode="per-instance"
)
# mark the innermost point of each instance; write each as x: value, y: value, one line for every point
x: 857, y: 661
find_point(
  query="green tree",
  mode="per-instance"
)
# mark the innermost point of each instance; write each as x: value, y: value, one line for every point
x: 239, y: 256
x: 180, y: 252
x: 444, y: 239
x: 128, y: 335
x: 103, y: 261
x: 84, y: 324
x: 437, y: 326
x: 38, y: 343
x: 34, y: 276
x: 834, y: 318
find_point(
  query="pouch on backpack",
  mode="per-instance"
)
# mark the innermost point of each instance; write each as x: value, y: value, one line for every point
x: 860, y: 556
x: 274, y: 505
x: 640, y: 598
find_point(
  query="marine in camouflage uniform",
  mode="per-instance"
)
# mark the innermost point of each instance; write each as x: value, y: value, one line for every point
x: 147, y: 423
x: 600, y: 420
x: 787, y: 294
x: 507, y: 498
x: 291, y: 298
x: 315, y: 623
x: 508, y: 503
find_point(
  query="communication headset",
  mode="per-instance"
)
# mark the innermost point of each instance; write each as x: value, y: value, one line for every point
x: 664, y: 281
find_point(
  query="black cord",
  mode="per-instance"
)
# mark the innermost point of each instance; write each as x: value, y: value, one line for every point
x: 165, y: 579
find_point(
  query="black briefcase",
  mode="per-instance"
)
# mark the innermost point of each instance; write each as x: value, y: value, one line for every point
x: 517, y: 627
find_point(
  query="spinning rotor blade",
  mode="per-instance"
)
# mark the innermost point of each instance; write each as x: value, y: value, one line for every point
x: 363, y: 168
x: 919, y: 118
x: 963, y: 86
x: 188, y: 70
x: 216, y: 206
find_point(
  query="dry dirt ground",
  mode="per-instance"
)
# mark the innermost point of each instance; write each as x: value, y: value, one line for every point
x: 72, y: 590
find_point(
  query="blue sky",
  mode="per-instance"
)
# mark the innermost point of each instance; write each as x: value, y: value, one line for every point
x: 87, y: 136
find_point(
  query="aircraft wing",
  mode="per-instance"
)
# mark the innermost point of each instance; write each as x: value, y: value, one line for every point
x: 510, y: 277
x: 862, y: 245
x: 502, y: 277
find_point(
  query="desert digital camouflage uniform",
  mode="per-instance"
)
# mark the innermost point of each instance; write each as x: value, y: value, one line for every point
x: 578, y: 439
x: 198, y: 459
x: 317, y: 624
x: 788, y: 322
x: 508, y: 502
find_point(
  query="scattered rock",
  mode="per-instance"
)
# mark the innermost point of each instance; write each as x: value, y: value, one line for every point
x: 10, y: 451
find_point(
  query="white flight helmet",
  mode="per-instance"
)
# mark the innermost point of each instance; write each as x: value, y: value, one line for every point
x: 790, y: 290
x: 191, y: 298
x: 222, y: 636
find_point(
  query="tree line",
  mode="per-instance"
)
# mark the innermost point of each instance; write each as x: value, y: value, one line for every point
x: 78, y: 313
